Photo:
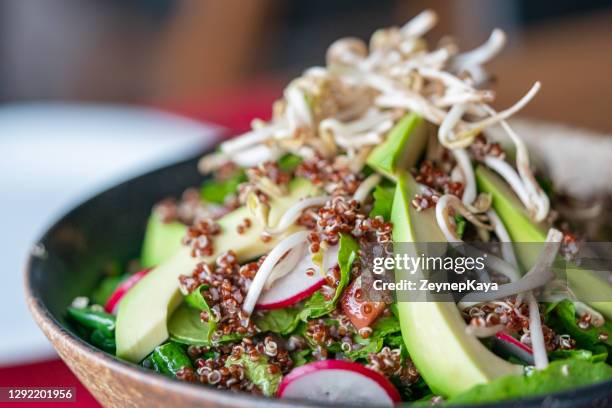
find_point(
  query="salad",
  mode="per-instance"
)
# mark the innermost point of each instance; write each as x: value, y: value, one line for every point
x: 258, y: 281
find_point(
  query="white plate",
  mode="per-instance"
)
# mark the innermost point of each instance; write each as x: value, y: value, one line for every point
x: 51, y: 157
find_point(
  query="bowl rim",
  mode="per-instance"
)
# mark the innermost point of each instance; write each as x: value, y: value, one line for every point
x: 52, y: 328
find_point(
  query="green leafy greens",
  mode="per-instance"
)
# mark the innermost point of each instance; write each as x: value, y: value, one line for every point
x: 258, y: 372
x: 559, y: 375
x: 383, y: 201
x: 383, y: 329
x: 217, y: 191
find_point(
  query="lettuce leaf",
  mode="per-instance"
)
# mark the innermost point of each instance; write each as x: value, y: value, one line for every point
x: 196, y: 300
x: 559, y: 375
x: 289, y: 162
x: 383, y: 201
x: 347, y: 254
x: 257, y: 371
x: 600, y: 354
x: 461, y: 223
x: 381, y: 331
x: 217, y: 191
x: 281, y: 321
x: 185, y: 327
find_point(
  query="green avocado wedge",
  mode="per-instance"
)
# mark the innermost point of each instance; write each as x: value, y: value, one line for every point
x: 584, y: 283
x: 450, y: 360
x: 161, y: 241
x: 402, y: 148
x: 144, y: 311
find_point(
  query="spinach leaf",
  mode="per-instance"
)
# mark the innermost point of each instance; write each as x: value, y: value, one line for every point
x: 185, y: 327
x: 301, y: 357
x: 106, y: 288
x: 281, y: 321
x: 196, y: 300
x: 383, y: 201
x: 170, y: 358
x: 217, y: 191
x: 258, y: 372
x: 460, y: 223
x: 94, y: 319
x: 99, y: 339
x: 599, y: 355
x: 562, y: 317
x: 289, y: 162
x: 559, y: 375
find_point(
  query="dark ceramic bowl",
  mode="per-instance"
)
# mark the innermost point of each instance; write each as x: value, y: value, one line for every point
x: 68, y: 260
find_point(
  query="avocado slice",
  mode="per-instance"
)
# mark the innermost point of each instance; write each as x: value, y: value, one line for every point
x: 161, y: 241
x: 449, y: 359
x: 402, y: 148
x: 584, y: 283
x: 144, y: 311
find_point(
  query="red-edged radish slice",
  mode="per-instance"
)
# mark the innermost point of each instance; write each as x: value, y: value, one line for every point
x: 295, y: 286
x: 338, y: 381
x: 507, y: 345
x: 122, y: 289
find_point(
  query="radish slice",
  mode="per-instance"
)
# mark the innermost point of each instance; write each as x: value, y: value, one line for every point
x: 506, y: 345
x: 340, y: 382
x: 295, y: 286
x: 113, y: 301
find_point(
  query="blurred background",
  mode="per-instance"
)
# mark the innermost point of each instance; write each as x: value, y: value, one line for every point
x: 78, y: 79
x: 198, y: 51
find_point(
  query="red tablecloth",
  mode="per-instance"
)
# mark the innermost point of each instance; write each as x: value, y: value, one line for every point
x: 234, y: 111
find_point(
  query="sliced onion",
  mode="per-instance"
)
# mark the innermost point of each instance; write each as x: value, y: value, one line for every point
x: 267, y: 266
x: 330, y: 258
x: 286, y: 265
x: 484, y: 331
x: 295, y: 211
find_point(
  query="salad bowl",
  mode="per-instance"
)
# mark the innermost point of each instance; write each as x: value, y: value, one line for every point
x: 68, y: 258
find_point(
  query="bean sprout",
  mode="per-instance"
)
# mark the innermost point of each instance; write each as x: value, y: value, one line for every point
x: 365, y: 187
x: 481, y: 54
x: 443, y: 207
x: 294, y: 212
x: 537, y: 276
